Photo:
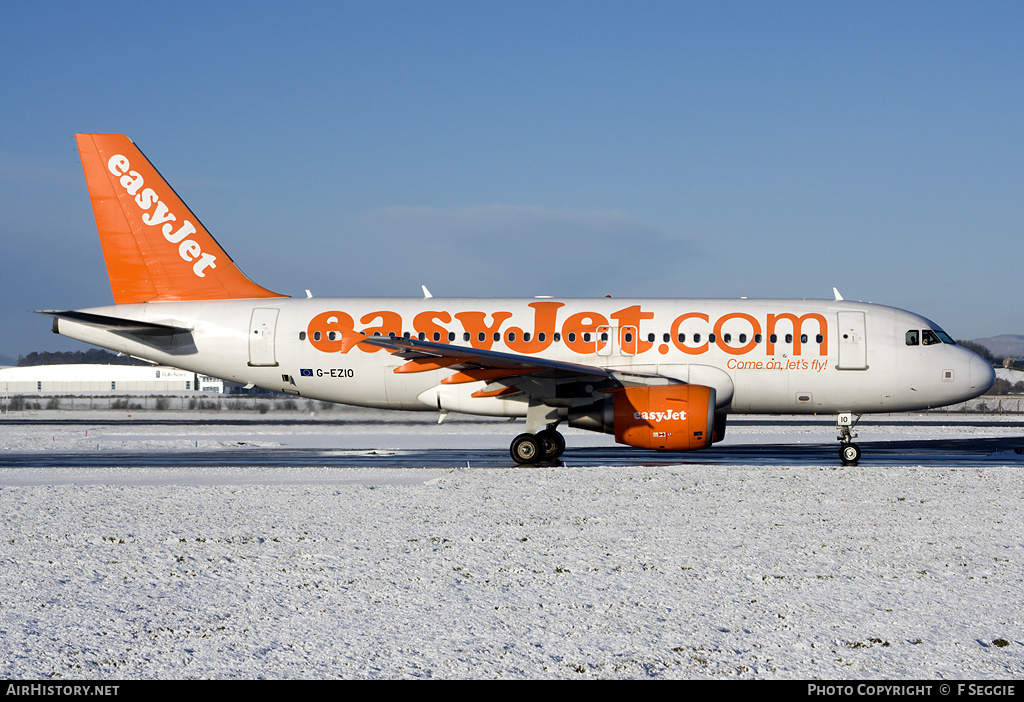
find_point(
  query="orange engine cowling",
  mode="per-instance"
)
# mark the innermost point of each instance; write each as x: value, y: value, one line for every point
x: 665, y: 417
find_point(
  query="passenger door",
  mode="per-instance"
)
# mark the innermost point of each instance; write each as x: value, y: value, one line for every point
x: 852, y: 341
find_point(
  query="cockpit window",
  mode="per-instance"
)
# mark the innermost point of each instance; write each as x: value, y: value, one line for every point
x: 928, y: 337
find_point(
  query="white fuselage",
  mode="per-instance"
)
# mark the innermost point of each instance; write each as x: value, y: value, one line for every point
x: 761, y: 356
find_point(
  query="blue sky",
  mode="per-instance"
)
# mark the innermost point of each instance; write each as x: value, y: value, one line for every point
x: 725, y: 149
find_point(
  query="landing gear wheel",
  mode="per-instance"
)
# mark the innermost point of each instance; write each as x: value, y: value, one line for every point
x: 527, y: 449
x: 849, y: 453
x: 553, y: 443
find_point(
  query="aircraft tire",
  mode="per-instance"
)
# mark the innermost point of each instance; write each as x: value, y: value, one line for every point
x: 552, y: 442
x: 849, y: 453
x: 527, y: 449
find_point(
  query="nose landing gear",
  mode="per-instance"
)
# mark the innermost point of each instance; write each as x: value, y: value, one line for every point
x: 849, y: 452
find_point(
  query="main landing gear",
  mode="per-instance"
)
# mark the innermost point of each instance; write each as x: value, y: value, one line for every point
x: 849, y: 452
x: 543, y: 447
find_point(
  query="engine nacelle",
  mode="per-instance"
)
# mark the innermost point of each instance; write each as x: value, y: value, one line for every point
x: 662, y: 417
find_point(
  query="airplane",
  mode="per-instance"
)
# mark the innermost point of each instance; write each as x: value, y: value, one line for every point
x: 661, y: 374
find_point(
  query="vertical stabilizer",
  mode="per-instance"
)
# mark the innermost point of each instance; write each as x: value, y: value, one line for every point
x: 154, y: 247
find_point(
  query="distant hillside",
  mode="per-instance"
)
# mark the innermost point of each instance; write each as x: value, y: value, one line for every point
x: 95, y: 356
x: 1004, y: 345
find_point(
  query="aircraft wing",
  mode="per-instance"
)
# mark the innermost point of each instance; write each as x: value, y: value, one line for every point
x: 509, y: 375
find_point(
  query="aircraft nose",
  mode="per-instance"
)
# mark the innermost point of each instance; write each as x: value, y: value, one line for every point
x: 981, y: 373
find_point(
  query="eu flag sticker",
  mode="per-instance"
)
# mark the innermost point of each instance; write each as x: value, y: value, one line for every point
x: 307, y: 372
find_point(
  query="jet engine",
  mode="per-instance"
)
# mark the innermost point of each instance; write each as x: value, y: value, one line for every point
x: 662, y: 417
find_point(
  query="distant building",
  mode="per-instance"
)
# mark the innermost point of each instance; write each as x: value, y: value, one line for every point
x: 72, y: 378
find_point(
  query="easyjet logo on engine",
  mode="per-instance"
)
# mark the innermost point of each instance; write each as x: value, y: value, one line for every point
x: 157, y: 213
x: 631, y: 330
x: 669, y: 416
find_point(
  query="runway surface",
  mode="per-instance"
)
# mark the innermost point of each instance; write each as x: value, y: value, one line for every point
x: 938, y: 452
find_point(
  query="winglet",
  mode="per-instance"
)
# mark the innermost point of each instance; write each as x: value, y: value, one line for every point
x: 835, y: 291
x: 154, y: 247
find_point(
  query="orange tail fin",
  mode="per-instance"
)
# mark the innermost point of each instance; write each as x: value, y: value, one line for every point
x: 154, y: 247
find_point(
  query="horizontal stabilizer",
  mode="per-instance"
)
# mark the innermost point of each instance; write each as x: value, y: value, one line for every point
x: 117, y: 324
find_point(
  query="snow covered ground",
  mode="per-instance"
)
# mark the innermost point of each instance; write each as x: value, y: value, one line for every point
x: 671, y: 571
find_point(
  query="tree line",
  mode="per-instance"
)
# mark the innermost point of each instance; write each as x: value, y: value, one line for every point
x: 92, y: 356
x: 981, y: 351
x: 1001, y: 386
